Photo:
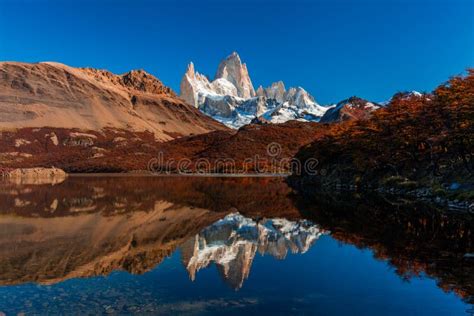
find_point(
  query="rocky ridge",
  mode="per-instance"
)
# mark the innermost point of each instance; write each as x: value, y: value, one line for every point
x: 353, y: 108
x: 231, y: 99
x: 34, y: 175
x: 47, y: 94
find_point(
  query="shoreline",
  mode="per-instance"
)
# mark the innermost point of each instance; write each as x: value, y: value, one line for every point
x: 56, y: 176
x: 422, y: 193
x: 204, y: 175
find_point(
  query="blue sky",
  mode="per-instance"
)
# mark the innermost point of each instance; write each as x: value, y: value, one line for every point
x: 334, y: 49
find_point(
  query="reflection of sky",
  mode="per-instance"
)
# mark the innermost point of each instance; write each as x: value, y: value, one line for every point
x: 330, y: 279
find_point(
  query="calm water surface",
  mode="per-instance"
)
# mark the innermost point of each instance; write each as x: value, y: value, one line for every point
x: 161, y: 245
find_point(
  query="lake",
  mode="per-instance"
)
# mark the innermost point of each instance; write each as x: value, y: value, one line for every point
x: 98, y: 244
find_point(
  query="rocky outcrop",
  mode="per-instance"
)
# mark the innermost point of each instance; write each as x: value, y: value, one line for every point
x: 192, y: 84
x: 297, y: 104
x: 232, y: 70
x: 138, y: 80
x: 257, y: 106
x: 260, y: 121
x: 142, y: 81
x: 35, y: 176
x: 221, y: 106
x: 353, y: 108
x: 275, y: 91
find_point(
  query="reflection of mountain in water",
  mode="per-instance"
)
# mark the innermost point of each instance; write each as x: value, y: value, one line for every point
x: 232, y: 242
x: 51, y: 250
x: 89, y: 226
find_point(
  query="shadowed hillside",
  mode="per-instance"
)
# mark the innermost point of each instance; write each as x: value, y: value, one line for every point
x: 415, y: 140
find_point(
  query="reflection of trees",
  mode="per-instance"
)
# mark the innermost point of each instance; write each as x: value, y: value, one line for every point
x: 414, y: 238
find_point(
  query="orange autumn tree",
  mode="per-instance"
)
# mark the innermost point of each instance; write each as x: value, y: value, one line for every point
x: 457, y: 98
x: 419, y: 137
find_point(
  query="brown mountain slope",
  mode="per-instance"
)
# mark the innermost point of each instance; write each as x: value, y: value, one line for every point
x: 245, y: 150
x: 58, y: 96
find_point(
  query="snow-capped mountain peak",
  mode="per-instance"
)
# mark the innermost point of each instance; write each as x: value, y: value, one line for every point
x: 275, y: 91
x: 232, y: 70
x: 231, y: 99
x: 416, y: 93
x: 190, y: 70
x: 406, y: 94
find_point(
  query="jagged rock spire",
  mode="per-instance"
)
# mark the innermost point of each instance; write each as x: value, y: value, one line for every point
x: 235, y: 72
x: 231, y: 99
x: 190, y: 70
